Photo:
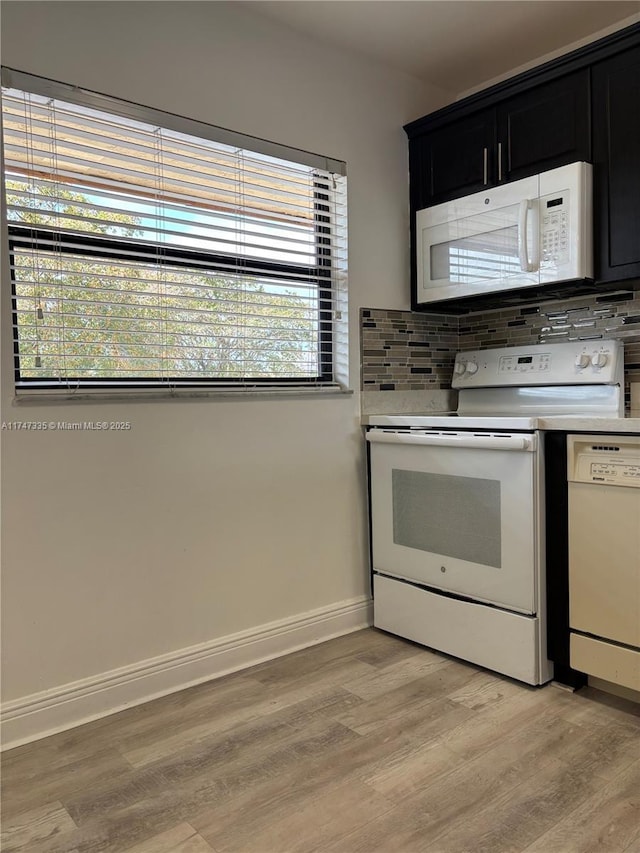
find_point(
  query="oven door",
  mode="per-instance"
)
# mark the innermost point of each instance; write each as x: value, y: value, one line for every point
x: 457, y: 512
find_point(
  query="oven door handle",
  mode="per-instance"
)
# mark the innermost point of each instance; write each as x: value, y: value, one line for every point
x: 469, y: 440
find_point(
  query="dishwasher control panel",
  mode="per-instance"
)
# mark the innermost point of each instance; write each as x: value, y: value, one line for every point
x: 610, y: 459
x: 611, y: 473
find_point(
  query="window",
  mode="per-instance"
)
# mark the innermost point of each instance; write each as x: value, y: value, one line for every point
x: 150, y: 250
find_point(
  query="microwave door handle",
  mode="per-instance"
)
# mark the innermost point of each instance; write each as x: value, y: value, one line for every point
x: 523, y: 249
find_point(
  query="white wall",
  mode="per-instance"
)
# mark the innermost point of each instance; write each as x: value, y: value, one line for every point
x: 207, y: 517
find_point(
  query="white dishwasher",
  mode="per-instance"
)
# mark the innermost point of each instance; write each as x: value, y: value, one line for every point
x: 604, y: 556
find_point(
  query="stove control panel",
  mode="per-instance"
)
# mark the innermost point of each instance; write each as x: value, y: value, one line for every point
x: 597, y: 362
x: 530, y: 363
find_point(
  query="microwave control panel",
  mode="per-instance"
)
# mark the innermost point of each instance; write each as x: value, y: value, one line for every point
x: 555, y: 229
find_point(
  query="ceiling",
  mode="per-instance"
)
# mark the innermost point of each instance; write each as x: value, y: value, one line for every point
x: 452, y: 44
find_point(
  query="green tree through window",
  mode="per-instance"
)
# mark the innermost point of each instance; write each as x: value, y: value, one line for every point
x: 87, y: 317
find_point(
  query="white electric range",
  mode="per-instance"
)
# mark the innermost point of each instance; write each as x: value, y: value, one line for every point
x: 457, y: 502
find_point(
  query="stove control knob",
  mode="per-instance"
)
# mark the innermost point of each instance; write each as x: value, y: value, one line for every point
x: 582, y: 360
x: 599, y: 359
x: 459, y: 368
x: 472, y: 367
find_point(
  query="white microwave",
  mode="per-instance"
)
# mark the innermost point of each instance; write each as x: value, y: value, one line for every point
x: 535, y: 231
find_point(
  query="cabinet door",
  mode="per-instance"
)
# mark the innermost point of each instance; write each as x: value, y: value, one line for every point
x: 616, y: 149
x: 545, y: 127
x: 419, y: 173
x: 458, y: 159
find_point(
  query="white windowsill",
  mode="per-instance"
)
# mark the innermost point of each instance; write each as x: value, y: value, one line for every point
x: 137, y: 395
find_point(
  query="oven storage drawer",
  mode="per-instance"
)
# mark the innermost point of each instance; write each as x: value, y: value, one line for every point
x: 504, y: 642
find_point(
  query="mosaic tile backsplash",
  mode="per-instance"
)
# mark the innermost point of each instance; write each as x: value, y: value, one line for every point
x: 403, y: 351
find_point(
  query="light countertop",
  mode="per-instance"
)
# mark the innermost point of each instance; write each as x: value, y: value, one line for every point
x: 580, y: 423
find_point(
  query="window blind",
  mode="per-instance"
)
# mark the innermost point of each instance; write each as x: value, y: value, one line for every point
x: 143, y: 254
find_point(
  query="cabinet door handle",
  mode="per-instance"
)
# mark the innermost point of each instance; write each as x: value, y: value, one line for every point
x: 485, y: 165
x: 499, y: 161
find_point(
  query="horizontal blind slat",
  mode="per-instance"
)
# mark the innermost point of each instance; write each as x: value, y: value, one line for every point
x: 233, y: 266
x: 150, y: 171
x: 108, y: 203
x: 226, y: 241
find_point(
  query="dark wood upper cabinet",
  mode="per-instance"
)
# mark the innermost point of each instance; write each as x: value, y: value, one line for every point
x: 585, y: 106
x: 458, y: 159
x: 616, y: 149
x: 536, y: 130
x: 544, y: 128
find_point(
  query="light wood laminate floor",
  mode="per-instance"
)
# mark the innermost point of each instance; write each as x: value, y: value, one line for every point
x: 364, y: 744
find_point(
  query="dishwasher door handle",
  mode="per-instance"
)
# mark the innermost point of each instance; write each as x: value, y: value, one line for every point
x: 469, y: 440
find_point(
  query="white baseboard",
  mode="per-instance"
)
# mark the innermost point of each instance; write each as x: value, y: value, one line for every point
x: 41, y: 714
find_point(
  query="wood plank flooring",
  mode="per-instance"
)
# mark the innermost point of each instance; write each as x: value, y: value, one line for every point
x: 364, y: 744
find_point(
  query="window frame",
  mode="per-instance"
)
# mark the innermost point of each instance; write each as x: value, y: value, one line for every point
x: 109, y: 247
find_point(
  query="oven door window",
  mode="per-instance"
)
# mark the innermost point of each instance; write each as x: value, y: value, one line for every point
x: 462, y: 520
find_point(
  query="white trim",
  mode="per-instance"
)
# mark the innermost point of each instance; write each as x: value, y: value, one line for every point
x: 25, y: 397
x: 41, y: 714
